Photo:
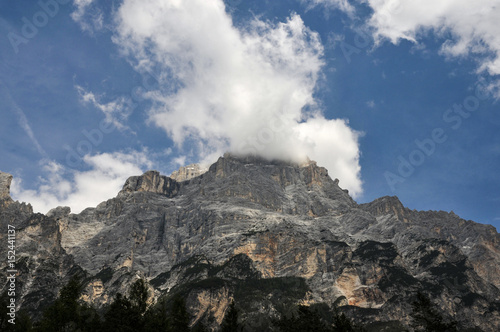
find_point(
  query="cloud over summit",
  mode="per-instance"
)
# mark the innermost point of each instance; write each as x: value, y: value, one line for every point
x: 247, y: 90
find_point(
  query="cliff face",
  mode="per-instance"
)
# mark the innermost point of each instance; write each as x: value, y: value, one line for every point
x: 5, y: 180
x: 188, y: 172
x: 42, y: 264
x: 268, y: 234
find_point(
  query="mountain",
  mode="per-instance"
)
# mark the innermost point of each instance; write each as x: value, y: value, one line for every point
x: 268, y: 234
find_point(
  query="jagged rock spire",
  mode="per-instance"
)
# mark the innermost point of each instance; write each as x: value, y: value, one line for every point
x: 5, y: 181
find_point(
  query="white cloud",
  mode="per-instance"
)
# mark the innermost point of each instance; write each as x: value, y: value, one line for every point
x: 180, y: 161
x: 343, y: 5
x: 116, y: 111
x: 470, y: 28
x: 247, y: 90
x: 334, y: 145
x: 81, y: 189
x: 89, y: 17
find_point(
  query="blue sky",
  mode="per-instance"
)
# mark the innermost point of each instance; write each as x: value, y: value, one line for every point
x: 393, y: 97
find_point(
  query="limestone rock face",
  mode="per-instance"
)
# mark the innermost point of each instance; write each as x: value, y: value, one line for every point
x: 153, y: 182
x: 268, y: 234
x: 5, y: 180
x: 59, y: 212
x: 188, y: 172
x: 41, y: 263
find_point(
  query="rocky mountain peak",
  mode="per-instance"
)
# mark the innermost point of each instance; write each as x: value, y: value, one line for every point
x: 307, y: 172
x: 151, y: 181
x: 5, y: 181
x: 262, y: 232
x: 188, y: 172
x: 59, y: 212
x: 277, y: 185
x: 385, y: 205
x: 273, y: 184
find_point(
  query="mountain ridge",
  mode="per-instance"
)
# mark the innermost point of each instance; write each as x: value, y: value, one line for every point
x: 278, y: 220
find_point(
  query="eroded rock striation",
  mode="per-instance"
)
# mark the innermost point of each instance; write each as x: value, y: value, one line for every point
x: 269, y: 234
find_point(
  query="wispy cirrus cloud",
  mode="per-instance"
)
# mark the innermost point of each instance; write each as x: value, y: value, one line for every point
x: 343, y: 5
x: 116, y: 111
x: 87, y: 15
x: 22, y: 119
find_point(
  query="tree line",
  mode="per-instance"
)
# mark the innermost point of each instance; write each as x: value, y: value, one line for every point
x: 130, y: 313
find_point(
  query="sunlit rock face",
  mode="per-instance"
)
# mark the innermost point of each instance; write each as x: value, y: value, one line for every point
x: 269, y: 234
x: 188, y: 172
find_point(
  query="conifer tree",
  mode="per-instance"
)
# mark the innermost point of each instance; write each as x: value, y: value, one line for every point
x: 128, y: 313
x: 199, y: 327
x: 4, y: 302
x: 121, y: 316
x: 139, y: 295
x: 156, y: 318
x: 22, y: 320
x: 427, y: 318
x: 230, y: 322
x: 341, y: 323
x: 179, y: 317
x: 66, y: 313
x: 305, y: 320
